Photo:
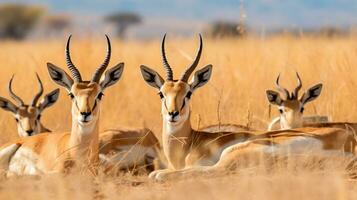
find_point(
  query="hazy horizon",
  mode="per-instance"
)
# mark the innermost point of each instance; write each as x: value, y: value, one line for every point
x: 189, y: 16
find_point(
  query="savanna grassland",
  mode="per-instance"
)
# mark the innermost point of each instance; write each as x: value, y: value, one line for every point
x: 243, y: 70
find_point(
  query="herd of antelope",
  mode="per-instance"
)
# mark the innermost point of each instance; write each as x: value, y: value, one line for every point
x: 183, y: 151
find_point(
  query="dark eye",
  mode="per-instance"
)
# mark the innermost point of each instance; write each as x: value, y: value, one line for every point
x: 71, y: 95
x: 161, y: 95
x: 302, y: 109
x: 100, y: 96
x: 17, y: 120
x: 188, y: 95
x: 281, y: 111
x: 38, y: 117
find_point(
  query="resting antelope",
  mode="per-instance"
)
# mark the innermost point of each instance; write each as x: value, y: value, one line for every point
x: 291, y: 107
x: 46, y: 153
x: 189, y: 151
x: 28, y: 116
x: 182, y: 145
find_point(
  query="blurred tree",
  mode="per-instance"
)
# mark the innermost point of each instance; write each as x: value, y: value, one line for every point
x: 17, y: 20
x: 122, y: 21
x: 58, y: 23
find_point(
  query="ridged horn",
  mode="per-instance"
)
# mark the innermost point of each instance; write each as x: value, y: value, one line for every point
x: 13, y: 95
x: 39, y: 94
x: 98, y: 73
x: 169, y: 73
x: 282, y: 89
x: 75, y: 73
x: 186, y: 75
x: 297, y: 89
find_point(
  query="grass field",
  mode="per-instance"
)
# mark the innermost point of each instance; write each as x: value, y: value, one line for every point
x: 243, y: 70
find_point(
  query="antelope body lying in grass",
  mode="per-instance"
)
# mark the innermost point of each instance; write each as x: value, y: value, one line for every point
x: 58, y: 152
x: 28, y: 116
x: 193, y: 152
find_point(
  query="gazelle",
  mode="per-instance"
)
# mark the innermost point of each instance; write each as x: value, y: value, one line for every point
x: 182, y: 145
x: 189, y: 151
x: 46, y: 153
x: 291, y: 107
x: 28, y: 116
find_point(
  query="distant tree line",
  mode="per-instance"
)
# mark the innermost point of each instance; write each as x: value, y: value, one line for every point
x: 18, y: 20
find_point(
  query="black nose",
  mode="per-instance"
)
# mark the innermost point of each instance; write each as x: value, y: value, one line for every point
x: 30, y: 132
x: 86, y: 114
x: 173, y: 113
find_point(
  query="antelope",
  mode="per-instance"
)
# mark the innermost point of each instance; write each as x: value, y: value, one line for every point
x: 182, y: 145
x: 291, y: 107
x: 189, y: 151
x: 59, y: 152
x: 28, y: 116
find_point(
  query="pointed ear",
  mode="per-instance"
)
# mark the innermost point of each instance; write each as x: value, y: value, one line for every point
x: 49, y: 99
x: 59, y: 76
x: 112, y: 76
x: 8, y: 105
x: 201, y: 77
x: 311, y: 94
x: 151, y: 77
x: 274, y: 97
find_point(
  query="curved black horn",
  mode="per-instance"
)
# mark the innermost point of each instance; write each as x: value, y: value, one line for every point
x: 282, y: 89
x: 296, y: 91
x: 186, y: 75
x: 98, y: 73
x: 75, y: 73
x: 13, y: 95
x: 169, y: 73
x: 39, y: 94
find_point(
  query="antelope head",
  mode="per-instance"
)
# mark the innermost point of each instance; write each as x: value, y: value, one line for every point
x: 85, y: 95
x: 291, y: 107
x: 28, y: 116
x: 175, y: 94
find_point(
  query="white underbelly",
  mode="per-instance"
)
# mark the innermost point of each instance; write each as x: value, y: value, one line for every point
x: 25, y: 162
x: 305, y: 146
x: 300, y: 145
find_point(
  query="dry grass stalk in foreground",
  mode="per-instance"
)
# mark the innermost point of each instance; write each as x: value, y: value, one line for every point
x: 312, y: 179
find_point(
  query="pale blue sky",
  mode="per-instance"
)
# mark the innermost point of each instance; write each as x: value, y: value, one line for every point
x: 269, y: 13
x: 191, y: 16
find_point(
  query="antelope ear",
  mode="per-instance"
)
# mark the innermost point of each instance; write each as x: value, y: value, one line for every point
x: 274, y: 97
x: 59, y: 76
x: 8, y: 105
x: 112, y: 76
x: 49, y: 99
x: 201, y: 77
x: 311, y: 94
x: 151, y: 77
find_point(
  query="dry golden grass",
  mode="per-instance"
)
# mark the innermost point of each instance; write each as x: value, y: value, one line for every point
x: 243, y: 70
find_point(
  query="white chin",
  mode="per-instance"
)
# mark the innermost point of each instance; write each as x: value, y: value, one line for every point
x: 82, y: 122
x: 171, y: 121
